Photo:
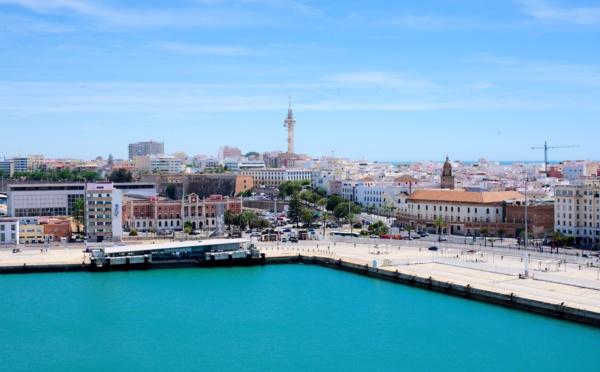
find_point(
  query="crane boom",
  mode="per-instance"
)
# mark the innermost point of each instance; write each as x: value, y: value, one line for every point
x: 545, y: 148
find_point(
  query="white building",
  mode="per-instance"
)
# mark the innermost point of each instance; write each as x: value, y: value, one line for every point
x: 103, y: 205
x: 238, y: 164
x: 578, y: 169
x: 9, y: 231
x: 166, y: 164
x: 275, y: 176
x: 577, y: 210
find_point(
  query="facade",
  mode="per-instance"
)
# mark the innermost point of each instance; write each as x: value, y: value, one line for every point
x: 579, y: 169
x: 56, y: 199
x: 142, y: 163
x: 20, y: 163
x: 29, y: 234
x: 165, y: 164
x: 103, y: 212
x: 273, y: 177
x: 464, y: 212
x: 8, y: 167
x: 229, y: 152
x: 146, y: 148
x: 166, y: 214
x: 238, y: 164
x: 577, y: 210
x: 9, y: 231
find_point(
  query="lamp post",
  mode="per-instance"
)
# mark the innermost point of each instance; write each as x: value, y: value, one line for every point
x: 526, y: 260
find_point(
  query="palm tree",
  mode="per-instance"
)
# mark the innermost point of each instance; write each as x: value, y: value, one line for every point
x: 501, y: 232
x: 351, y: 219
x: 439, y: 223
x: 409, y: 228
x: 324, y: 218
x: 484, y: 232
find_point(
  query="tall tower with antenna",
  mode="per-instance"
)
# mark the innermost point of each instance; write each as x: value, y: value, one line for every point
x: 290, y: 123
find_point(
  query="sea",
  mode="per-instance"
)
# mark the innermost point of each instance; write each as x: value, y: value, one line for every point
x: 273, y: 318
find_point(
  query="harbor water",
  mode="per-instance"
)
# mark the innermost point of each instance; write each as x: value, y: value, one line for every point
x: 283, y: 317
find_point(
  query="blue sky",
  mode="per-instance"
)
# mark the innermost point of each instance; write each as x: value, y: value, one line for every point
x: 386, y: 80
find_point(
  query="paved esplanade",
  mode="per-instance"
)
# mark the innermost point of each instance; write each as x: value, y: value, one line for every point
x: 576, y: 283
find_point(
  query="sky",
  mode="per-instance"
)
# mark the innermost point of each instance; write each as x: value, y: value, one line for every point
x: 384, y: 80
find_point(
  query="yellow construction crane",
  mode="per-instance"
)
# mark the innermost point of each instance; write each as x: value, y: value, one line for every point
x: 545, y: 148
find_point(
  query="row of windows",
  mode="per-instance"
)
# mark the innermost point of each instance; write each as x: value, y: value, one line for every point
x: 12, y: 227
x: 40, y: 212
x: 445, y: 209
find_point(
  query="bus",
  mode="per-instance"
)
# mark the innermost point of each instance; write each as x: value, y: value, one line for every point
x: 345, y: 233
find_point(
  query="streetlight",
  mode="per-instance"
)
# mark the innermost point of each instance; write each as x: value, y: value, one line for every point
x: 526, y: 260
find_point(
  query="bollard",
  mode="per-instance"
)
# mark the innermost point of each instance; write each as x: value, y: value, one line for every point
x: 501, y: 258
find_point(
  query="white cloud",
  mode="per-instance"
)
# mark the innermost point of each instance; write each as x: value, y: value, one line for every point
x: 215, y: 50
x: 377, y: 79
x: 542, y: 9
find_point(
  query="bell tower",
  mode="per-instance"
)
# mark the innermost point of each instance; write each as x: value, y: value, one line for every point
x: 447, y: 177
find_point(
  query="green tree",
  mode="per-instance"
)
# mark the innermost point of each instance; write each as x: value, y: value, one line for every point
x: 133, y: 232
x: 307, y: 216
x: 120, y: 175
x: 229, y: 218
x: 78, y: 213
x: 439, y: 224
x: 501, y: 232
x: 152, y: 230
x: 485, y: 233
x: 321, y: 192
x: 170, y: 191
x: 187, y: 230
x: 188, y: 224
x: 110, y: 161
x: 295, y: 208
x: 409, y: 228
x: 342, y: 209
x: 333, y: 202
x: 324, y: 218
x: 252, y: 153
x: 377, y: 228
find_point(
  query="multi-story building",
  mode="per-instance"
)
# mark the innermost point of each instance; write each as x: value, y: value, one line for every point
x: 56, y: 199
x: 579, y: 169
x: 103, y: 219
x: 165, y: 164
x: 273, y: 177
x: 142, y: 164
x: 464, y: 212
x: 20, y: 163
x: 577, y: 210
x: 29, y: 234
x: 238, y: 164
x: 146, y: 148
x: 229, y: 152
x: 9, y: 231
x: 7, y: 166
x: 166, y: 214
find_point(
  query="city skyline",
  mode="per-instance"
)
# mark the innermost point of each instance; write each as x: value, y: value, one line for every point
x: 396, y: 82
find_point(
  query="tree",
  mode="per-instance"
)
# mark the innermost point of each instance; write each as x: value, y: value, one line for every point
x: 439, y: 224
x: 152, y: 230
x: 110, y: 161
x: 501, y: 232
x: 78, y: 213
x: 252, y: 153
x: 229, y: 218
x: 187, y: 230
x: 120, y: 175
x: 188, y: 225
x: 558, y: 239
x: 170, y: 191
x: 342, y: 209
x: 409, y: 228
x: 485, y: 233
x: 307, y: 216
x: 295, y: 208
x: 377, y: 228
x: 324, y: 218
x: 288, y: 188
x: 321, y: 192
x: 133, y: 232
x: 333, y: 202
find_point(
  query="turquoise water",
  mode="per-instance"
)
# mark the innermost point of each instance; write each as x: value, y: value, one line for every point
x: 289, y: 317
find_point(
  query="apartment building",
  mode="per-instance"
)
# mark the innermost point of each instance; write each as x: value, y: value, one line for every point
x: 103, y: 218
x: 577, y: 210
x: 146, y: 148
x: 9, y: 231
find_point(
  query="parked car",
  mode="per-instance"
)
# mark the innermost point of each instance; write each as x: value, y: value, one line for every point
x: 424, y: 234
x: 16, y: 250
x: 374, y: 236
x: 294, y: 240
x: 443, y: 238
x: 434, y: 248
x: 286, y: 230
x: 255, y: 233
